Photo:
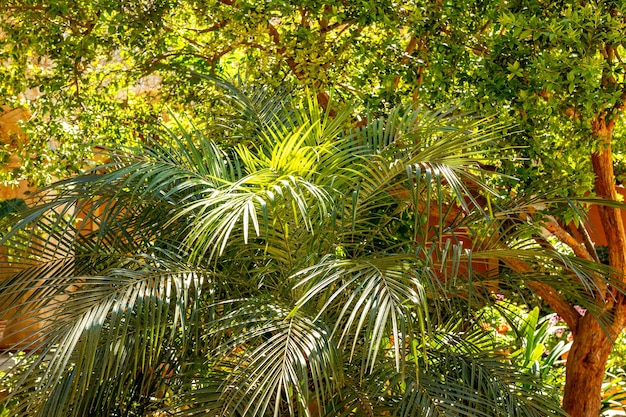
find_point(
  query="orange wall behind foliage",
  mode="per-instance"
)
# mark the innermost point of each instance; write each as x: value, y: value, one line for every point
x: 595, y: 223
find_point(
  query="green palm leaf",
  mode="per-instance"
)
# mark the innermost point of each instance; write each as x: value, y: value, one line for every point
x: 306, y: 271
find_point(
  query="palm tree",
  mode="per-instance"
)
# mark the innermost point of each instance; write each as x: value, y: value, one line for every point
x: 312, y: 269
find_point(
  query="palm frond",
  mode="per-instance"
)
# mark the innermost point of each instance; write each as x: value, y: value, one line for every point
x: 368, y: 299
x: 276, y: 361
x: 305, y: 271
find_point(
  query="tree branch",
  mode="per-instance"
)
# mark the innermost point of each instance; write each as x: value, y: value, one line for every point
x: 612, y: 222
x: 591, y: 248
x: 550, y: 295
x: 553, y: 226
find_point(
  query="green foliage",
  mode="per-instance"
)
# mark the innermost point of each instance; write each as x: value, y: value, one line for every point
x: 11, y: 205
x: 535, y: 333
x: 311, y: 268
x: 9, y: 381
x: 614, y: 388
x: 104, y: 70
x: 540, y: 346
x: 536, y: 344
x: 614, y: 392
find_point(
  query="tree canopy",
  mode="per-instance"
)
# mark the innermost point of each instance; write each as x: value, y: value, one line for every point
x: 99, y: 73
x: 100, y: 69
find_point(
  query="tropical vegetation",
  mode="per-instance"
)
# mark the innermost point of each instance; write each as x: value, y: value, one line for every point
x: 316, y: 268
x: 99, y: 73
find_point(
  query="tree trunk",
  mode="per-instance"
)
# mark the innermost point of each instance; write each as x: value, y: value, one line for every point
x: 592, y: 345
x: 585, y: 369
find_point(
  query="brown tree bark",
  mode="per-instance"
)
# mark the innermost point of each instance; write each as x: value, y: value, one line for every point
x: 592, y: 345
x: 585, y: 369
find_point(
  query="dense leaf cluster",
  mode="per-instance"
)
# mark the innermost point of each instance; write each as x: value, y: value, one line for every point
x: 104, y: 69
x: 317, y: 270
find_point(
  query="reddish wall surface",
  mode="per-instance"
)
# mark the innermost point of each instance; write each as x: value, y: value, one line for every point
x: 10, y: 134
x: 595, y: 223
x: 16, y: 191
x: 13, y: 333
